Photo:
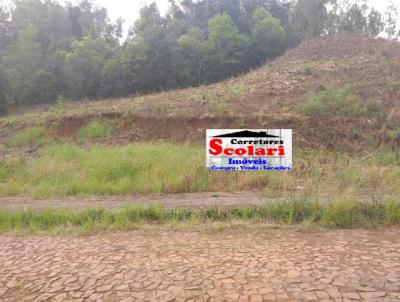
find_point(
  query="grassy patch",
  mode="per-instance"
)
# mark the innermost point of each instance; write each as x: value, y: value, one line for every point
x: 341, y: 101
x: 337, y: 214
x: 95, y: 130
x: 386, y: 157
x: 69, y: 170
x: 66, y: 169
x: 31, y: 136
x: 235, y: 91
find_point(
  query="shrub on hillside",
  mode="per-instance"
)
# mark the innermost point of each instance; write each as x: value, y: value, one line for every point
x: 30, y: 136
x: 340, y: 101
x: 95, y: 130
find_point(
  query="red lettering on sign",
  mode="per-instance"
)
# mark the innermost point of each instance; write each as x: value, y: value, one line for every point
x: 216, y: 146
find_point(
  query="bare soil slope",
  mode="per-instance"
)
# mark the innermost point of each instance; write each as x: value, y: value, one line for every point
x: 266, y: 97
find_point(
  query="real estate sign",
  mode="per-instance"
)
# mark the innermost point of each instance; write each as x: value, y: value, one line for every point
x: 249, y: 149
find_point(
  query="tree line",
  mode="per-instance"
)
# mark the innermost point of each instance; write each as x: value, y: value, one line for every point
x: 50, y: 52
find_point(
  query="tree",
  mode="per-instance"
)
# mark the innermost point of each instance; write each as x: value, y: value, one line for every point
x: 48, y: 49
x: 134, y: 58
x: 228, y: 45
x: 3, y: 91
x: 84, y: 67
x: 268, y: 36
x: 94, y: 22
x: 309, y: 18
x: 49, y: 19
x: 349, y: 17
x: 33, y: 38
x: 4, y: 28
x: 353, y: 20
x: 391, y: 16
x: 196, y: 14
x: 192, y: 52
x: 74, y: 14
x: 30, y: 80
x: 375, y: 23
x: 150, y: 30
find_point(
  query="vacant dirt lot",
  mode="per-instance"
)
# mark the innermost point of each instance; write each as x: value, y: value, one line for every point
x: 171, y: 265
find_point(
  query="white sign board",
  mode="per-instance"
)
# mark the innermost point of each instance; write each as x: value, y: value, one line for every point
x: 249, y: 149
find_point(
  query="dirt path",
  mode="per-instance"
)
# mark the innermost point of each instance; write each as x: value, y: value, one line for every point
x: 174, y: 265
x: 188, y: 200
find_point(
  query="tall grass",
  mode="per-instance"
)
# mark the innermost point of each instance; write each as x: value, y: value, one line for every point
x: 30, y: 136
x: 336, y: 214
x: 69, y: 170
x: 66, y: 169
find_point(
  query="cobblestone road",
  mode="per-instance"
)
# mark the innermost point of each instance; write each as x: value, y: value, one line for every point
x: 157, y: 265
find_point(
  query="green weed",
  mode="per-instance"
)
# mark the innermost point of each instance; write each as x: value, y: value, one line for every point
x: 68, y: 170
x: 341, y: 101
x: 386, y: 157
x: 337, y: 214
x: 343, y: 213
x: 235, y: 91
x: 30, y: 136
x: 95, y: 130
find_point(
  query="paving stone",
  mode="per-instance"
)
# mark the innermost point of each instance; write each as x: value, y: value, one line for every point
x: 269, y: 297
x: 354, y: 296
x: 372, y: 295
x: 256, y: 298
x: 243, y: 298
x: 309, y: 296
x: 55, y: 289
x: 322, y: 294
x: 163, y: 265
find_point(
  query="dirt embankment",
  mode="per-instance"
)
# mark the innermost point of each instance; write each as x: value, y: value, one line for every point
x: 308, y: 133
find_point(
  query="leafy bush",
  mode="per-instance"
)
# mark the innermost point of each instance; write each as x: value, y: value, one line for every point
x: 30, y: 136
x: 95, y: 130
x: 386, y: 157
x: 342, y: 102
x: 344, y: 213
x: 291, y: 211
x: 392, y: 212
